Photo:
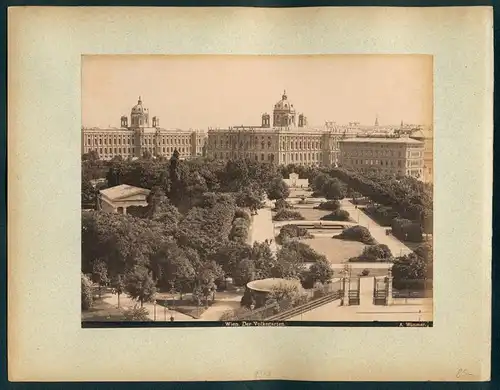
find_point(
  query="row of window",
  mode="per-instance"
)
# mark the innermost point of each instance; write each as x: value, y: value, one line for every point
x: 128, y: 141
x: 292, y: 146
x: 350, y: 161
x: 372, y: 153
x: 120, y: 150
x: 305, y: 156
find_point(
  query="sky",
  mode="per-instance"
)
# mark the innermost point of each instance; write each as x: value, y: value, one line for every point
x: 204, y: 91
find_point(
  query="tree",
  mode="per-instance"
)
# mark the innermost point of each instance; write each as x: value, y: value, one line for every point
x: 113, y: 177
x: 263, y: 259
x: 320, y: 271
x: 140, y: 285
x: 173, y: 267
x: 86, y: 292
x: 175, y: 177
x: 425, y: 251
x: 277, y: 189
x: 89, y: 193
x: 410, y: 269
x: 229, y: 254
x: 100, y: 274
x: 244, y: 272
x: 319, y: 181
x: 333, y: 189
x: 206, y: 276
x: 118, y: 286
x: 249, y: 199
x: 287, y: 264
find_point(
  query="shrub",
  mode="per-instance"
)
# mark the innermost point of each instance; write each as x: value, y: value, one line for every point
x: 337, y: 215
x: 136, y: 314
x: 288, y: 215
x: 292, y: 231
x: 229, y: 315
x: 286, y: 295
x: 331, y: 205
x: 373, y: 254
x: 282, y: 204
x: 357, y: 233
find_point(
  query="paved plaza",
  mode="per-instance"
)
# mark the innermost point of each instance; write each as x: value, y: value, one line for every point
x: 416, y: 310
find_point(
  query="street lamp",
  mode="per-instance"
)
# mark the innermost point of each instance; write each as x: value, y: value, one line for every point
x: 154, y: 303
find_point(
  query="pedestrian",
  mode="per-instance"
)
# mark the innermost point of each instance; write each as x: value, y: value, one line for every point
x: 171, y: 318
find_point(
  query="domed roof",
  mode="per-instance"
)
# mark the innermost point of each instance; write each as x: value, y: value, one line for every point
x: 284, y: 104
x: 138, y: 108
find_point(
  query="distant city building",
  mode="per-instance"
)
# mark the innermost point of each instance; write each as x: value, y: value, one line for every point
x: 140, y: 137
x: 426, y: 136
x: 288, y: 141
x: 387, y: 155
x: 117, y: 199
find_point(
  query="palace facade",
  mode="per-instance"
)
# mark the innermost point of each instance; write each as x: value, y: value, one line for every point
x: 288, y: 140
x: 387, y: 155
x: 142, y: 135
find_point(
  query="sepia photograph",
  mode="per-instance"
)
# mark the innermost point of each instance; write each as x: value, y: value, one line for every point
x: 257, y: 190
x: 318, y: 179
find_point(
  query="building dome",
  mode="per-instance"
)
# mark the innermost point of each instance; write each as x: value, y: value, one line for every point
x: 139, y: 116
x: 138, y: 108
x: 284, y: 104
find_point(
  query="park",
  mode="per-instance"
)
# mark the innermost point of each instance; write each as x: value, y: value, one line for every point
x: 211, y: 230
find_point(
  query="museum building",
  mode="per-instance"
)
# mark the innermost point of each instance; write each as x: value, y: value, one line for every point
x: 287, y: 140
x: 142, y: 135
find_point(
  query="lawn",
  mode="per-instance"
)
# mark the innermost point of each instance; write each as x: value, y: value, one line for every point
x: 311, y: 214
x: 336, y: 251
